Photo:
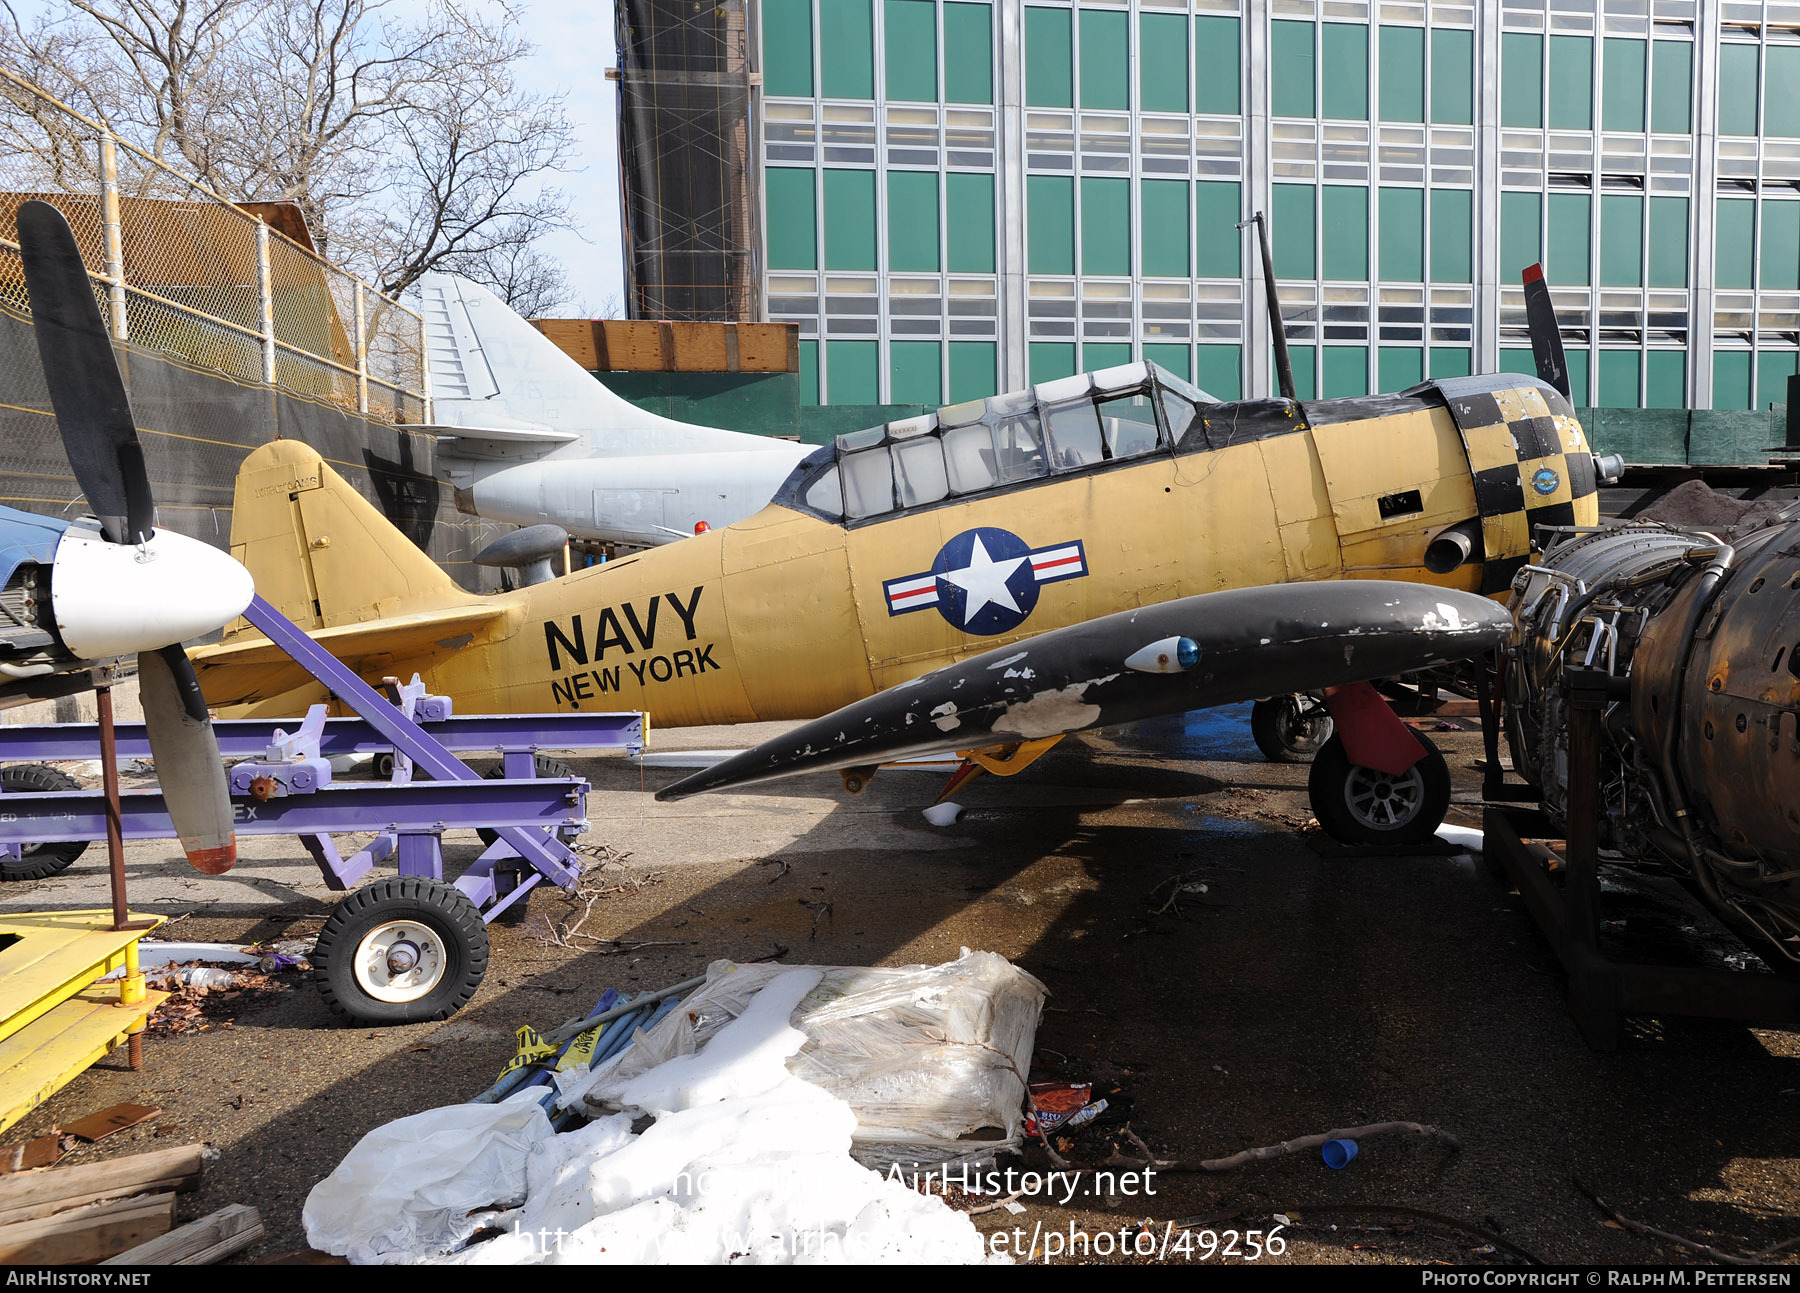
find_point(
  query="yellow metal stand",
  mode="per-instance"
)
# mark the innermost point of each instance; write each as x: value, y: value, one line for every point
x: 59, y: 1018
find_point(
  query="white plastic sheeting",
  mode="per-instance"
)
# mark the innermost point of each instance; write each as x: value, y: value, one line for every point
x: 744, y: 1163
x: 409, y: 1187
x: 928, y: 1057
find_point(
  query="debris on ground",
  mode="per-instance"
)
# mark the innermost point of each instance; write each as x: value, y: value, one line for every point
x: 70, y: 1215
x: 199, y: 998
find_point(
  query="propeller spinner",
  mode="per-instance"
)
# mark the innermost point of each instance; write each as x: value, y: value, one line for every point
x: 134, y: 587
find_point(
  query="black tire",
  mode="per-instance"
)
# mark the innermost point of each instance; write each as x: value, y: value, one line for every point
x: 38, y: 860
x: 1359, y: 805
x: 546, y: 767
x: 1290, y: 729
x: 434, y: 918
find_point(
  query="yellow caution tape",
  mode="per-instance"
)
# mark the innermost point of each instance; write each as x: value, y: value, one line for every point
x: 532, y: 1048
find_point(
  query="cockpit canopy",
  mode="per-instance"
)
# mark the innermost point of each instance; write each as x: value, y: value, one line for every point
x: 1073, y: 424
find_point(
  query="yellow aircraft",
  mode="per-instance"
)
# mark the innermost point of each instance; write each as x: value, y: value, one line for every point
x: 1095, y: 550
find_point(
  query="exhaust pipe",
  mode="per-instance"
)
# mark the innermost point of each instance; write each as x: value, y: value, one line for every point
x: 1452, y: 547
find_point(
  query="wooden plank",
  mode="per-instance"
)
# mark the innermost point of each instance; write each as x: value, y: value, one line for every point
x: 574, y: 337
x: 199, y: 1243
x: 698, y: 347
x: 45, y: 1190
x: 57, y: 955
x: 632, y: 345
x: 765, y: 348
x: 87, y: 1234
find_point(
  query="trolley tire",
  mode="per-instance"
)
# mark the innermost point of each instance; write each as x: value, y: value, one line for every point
x: 1358, y: 805
x: 546, y: 767
x: 448, y: 918
x: 1283, y: 735
x: 39, y: 860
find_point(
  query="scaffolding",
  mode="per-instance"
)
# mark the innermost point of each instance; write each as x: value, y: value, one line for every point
x: 687, y: 100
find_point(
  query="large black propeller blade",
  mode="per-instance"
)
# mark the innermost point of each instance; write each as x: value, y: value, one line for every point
x: 1546, y: 337
x: 85, y: 387
x: 101, y: 440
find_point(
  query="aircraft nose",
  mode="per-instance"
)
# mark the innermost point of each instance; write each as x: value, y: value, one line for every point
x: 113, y: 599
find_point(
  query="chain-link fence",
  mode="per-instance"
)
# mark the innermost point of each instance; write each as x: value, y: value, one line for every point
x: 181, y: 269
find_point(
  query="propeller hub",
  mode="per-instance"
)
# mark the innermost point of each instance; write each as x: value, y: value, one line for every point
x: 402, y: 957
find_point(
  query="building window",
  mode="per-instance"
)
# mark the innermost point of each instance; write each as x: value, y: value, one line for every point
x: 1452, y: 76
x: 1218, y: 370
x: 973, y: 370
x: 1106, y: 227
x: 1401, y: 367
x: 1163, y: 227
x: 1737, y: 100
x: 1216, y: 62
x: 1780, y: 246
x: 1346, y: 371
x: 1402, y: 73
x: 1731, y: 379
x: 1621, y: 240
x: 912, y: 220
x: 1174, y: 359
x: 1303, y: 359
x: 852, y: 372
x: 1571, y: 82
x: 1050, y: 211
x: 1344, y: 221
x: 913, y: 372
x: 1218, y: 206
x: 969, y: 198
x: 1781, y: 107
x: 1345, y: 49
x: 846, y: 49
x: 1096, y: 355
x: 910, y: 53
x: 1050, y: 360
x: 968, y: 53
x: 1773, y: 368
x: 1291, y: 69
x: 1623, y: 108
x: 792, y: 219
x: 1671, y: 87
x: 1402, y: 238
x: 1619, y: 370
x: 1451, y: 361
x: 1668, y: 242
x: 1521, y: 234
x: 1452, y: 235
x: 1162, y: 63
x: 1734, y: 234
x: 1521, y: 80
x: 809, y: 373
x: 1567, y: 263
x: 1049, y: 58
x: 787, y: 48
x: 1665, y: 379
x: 1105, y: 61
x: 1291, y: 230
x: 849, y: 220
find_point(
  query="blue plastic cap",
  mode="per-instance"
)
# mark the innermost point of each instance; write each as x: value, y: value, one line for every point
x: 1338, y: 1152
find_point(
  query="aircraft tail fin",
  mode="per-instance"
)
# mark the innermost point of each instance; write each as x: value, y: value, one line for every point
x: 321, y: 553
x: 503, y: 390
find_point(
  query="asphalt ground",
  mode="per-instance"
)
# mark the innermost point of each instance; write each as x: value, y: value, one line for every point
x: 1296, y: 993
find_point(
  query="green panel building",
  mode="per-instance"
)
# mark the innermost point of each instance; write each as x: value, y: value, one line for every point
x: 1003, y: 192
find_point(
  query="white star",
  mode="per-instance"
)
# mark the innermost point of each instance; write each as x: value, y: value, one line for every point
x: 984, y: 580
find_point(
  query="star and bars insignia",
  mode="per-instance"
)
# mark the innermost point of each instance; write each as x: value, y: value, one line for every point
x: 985, y: 581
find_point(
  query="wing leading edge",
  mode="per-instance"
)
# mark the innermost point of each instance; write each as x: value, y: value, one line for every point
x: 1121, y: 668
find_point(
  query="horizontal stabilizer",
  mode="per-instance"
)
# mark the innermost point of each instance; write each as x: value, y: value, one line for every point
x: 1191, y: 653
x: 498, y: 442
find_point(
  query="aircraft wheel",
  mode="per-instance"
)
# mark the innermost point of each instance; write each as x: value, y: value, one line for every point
x: 1358, y: 805
x: 401, y: 951
x: 38, y: 860
x: 1290, y: 729
x: 545, y: 767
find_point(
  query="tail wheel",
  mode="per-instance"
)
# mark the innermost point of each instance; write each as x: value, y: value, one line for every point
x: 1358, y: 805
x: 38, y: 860
x: 401, y: 951
x: 1290, y: 729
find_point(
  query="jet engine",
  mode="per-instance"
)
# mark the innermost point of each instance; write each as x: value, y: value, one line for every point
x: 1700, y: 746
